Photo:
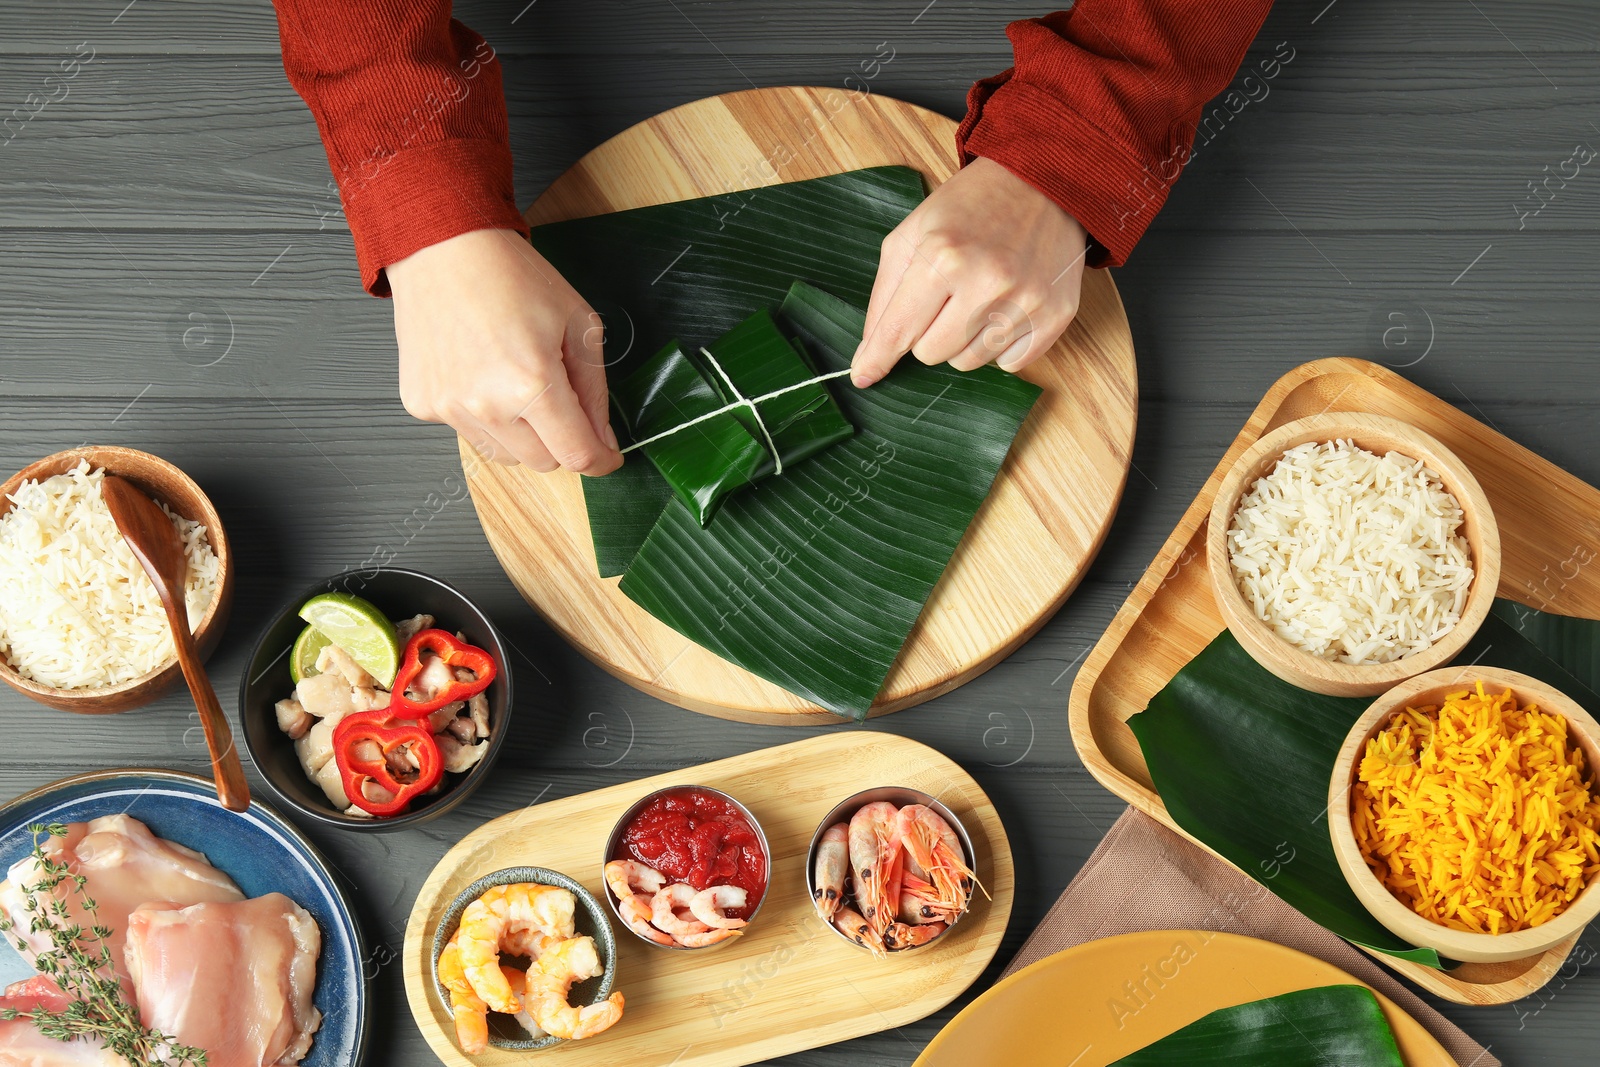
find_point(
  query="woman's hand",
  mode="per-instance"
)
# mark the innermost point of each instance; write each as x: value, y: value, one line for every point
x: 495, y: 343
x: 987, y: 268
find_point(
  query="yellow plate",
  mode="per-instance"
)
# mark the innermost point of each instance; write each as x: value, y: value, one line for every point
x: 1093, y: 1004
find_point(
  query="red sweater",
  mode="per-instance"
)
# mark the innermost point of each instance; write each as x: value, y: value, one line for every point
x: 1098, y: 113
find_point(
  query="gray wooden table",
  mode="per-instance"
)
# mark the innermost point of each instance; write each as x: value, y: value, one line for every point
x: 175, y: 275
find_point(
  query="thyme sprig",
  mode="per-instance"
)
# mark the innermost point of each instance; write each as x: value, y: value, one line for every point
x: 81, y: 964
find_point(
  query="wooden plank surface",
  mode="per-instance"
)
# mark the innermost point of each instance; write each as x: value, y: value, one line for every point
x: 706, y: 1009
x: 1393, y: 129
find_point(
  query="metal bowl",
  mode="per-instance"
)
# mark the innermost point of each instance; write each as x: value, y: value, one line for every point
x: 614, y: 842
x: 899, y: 796
x: 589, y: 920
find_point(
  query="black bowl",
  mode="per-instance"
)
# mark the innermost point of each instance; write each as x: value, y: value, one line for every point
x: 400, y: 594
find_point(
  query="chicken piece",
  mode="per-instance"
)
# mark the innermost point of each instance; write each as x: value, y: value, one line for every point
x: 478, y: 709
x: 328, y: 779
x: 233, y: 978
x: 328, y: 695
x: 409, y: 628
x: 441, y: 718
x: 335, y: 660
x: 40, y: 991
x: 293, y: 719
x: 22, y: 1044
x: 124, y: 865
x: 459, y: 758
x: 435, y: 677
x: 315, y: 749
x: 402, y: 763
x: 462, y: 730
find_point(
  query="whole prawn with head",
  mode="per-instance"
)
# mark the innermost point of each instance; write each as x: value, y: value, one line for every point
x: 935, y: 864
x: 876, y: 864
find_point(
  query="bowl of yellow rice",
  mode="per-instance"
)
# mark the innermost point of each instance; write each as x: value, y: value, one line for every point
x: 1465, y: 814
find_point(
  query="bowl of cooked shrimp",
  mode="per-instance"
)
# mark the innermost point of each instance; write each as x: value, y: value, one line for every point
x: 525, y: 959
x: 890, y: 870
x: 687, y: 868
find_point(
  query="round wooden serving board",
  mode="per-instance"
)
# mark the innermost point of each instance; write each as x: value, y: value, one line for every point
x: 1028, y: 546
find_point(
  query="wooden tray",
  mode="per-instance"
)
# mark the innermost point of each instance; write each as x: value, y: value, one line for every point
x: 789, y: 984
x: 1028, y: 546
x: 1171, y: 615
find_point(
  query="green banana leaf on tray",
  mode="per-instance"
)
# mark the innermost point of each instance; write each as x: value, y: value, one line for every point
x: 812, y: 578
x: 1334, y: 1024
x: 1242, y: 760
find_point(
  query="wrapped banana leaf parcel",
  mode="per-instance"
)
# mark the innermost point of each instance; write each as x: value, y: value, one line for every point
x: 767, y: 509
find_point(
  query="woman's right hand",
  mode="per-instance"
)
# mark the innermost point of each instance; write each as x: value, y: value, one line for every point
x: 494, y: 342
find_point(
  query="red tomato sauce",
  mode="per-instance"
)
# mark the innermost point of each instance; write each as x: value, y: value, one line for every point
x: 697, y: 837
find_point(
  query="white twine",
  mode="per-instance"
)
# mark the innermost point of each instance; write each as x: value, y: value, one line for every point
x: 772, y: 446
x: 742, y: 402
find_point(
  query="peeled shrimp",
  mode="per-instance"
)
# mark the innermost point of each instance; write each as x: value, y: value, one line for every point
x: 550, y: 980
x: 833, y: 864
x: 636, y: 912
x: 933, y: 847
x: 709, y: 904
x: 876, y: 863
x: 664, y: 907
x: 471, y: 1014
x: 707, y: 937
x: 625, y: 877
x: 518, y: 980
x: 521, y: 919
x: 900, y: 936
x: 849, y: 922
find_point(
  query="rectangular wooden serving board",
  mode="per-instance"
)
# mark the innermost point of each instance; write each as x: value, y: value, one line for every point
x: 789, y: 984
x: 1171, y: 615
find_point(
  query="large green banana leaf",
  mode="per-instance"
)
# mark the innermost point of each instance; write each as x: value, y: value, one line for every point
x: 813, y: 578
x: 1327, y: 1025
x: 1242, y: 761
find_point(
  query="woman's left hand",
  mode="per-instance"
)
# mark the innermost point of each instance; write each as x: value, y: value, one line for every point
x: 987, y: 268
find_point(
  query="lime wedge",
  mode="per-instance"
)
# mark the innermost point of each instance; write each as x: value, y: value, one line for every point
x: 303, y: 658
x: 359, y: 628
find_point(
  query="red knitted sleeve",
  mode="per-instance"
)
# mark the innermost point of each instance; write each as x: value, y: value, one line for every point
x: 1099, y: 111
x: 409, y: 105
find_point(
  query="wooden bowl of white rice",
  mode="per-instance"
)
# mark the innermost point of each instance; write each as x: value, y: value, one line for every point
x: 81, y: 628
x: 1349, y: 552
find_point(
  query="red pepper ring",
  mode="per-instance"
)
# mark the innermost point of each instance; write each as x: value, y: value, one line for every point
x: 388, y: 734
x: 455, y: 653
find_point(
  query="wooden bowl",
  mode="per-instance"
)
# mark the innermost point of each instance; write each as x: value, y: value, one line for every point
x: 170, y: 486
x: 1379, y: 434
x: 1400, y: 920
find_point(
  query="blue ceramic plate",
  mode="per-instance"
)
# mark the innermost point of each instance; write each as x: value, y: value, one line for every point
x: 259, y: 850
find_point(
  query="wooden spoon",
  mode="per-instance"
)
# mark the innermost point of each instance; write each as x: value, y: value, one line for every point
x: 156, y: 543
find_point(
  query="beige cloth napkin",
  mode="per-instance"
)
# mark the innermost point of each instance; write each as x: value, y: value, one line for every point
x: 1143, y: 876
